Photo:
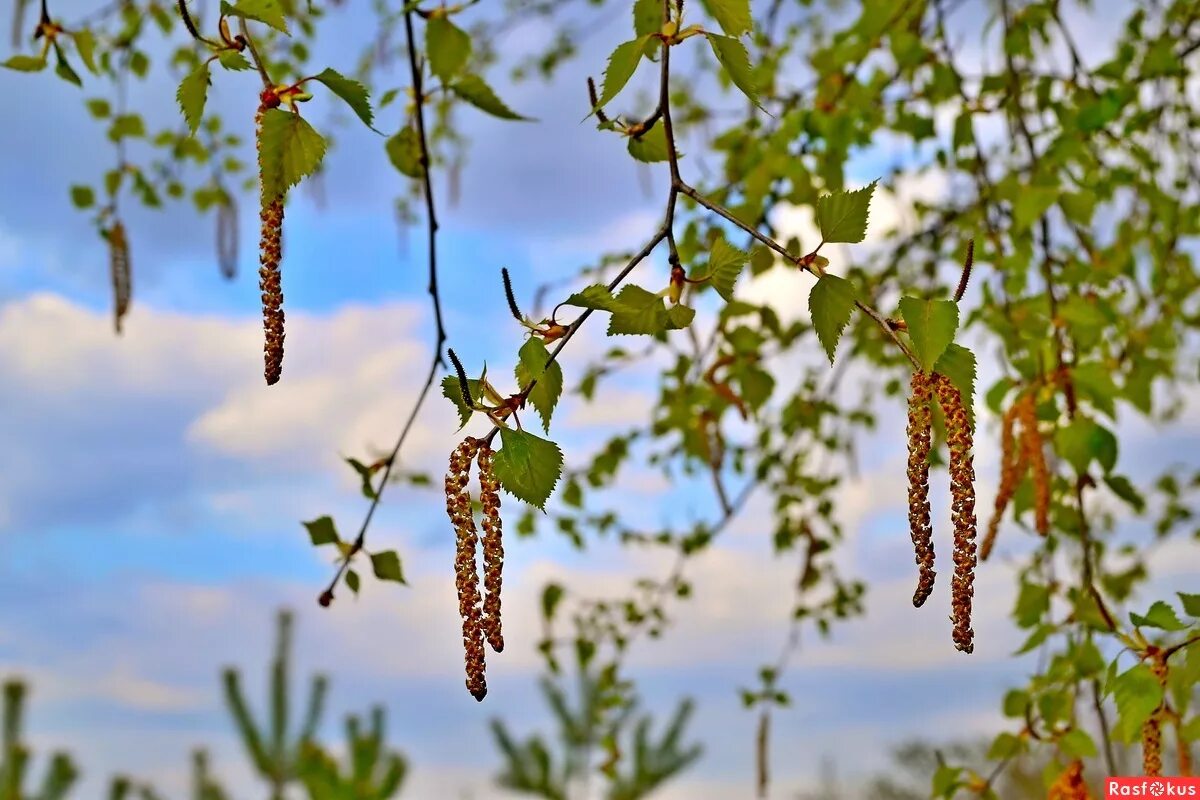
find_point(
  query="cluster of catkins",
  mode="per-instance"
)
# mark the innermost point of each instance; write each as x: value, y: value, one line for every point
x: 924, y: 387
x: 480, y: 615
x: 270, y: 253
x: 119, y: 269
x: 1019, y: 457
x: 1069, y: 785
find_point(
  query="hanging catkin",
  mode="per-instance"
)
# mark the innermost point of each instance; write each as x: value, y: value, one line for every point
x: 493, y: 548
x: 1013, y: 463
x: 1033, y: 453
x: 119, y: 270
x: 962, y: 504
x: 1070, y: 784
x: 920, y: 418
x: 270, y: 249
x: 466, y: 574
x: 1152, y: 728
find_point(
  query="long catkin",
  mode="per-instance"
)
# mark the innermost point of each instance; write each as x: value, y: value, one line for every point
x: 466, y: 575
x: 270, y: 254
x: 959, y: 438
x: 920, y: 420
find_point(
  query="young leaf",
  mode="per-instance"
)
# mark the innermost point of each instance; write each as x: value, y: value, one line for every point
x: 549, y: 386
x: 63, y: 70
x: 353, y: 582
x: 842, y: 216
x: 353, y: 92
x: 82, y: 196
x: 736, y: 61
x: 680, y: 316
x: 447, y: 46
x: 1191, y: 603
x: 1160, y: 616
x: 638, y: 312
x: 931, y: 326
x: 366, y: 475
x: 1137, y: 694
x: 725, y: 264
x: 321, y: 531
x: 595, y: 296
x: 527, y: 466
x: 25, y: 63
x: 651, y: 146
x: 404, y: 151
x: 233, y: 60
x: 85, y: 43
x: 473, y: 89
x: 291, y: 150
x: 958, y: 364
x: 647, y: 17
x: 1083, y: 440
x: 732, y: 15
x: 453, y: 392
x: 268, y: 12
x: 386, y: 566
x: 830, y: 304
x: 192, y: 94
x: 622, y: 63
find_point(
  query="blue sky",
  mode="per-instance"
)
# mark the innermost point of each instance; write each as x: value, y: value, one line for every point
x: 153, y: 487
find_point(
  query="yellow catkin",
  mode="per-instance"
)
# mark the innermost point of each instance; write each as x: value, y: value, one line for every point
x: 920, y: 419
x: 959, y: 438
x: 1033, y: 453
x: 1013, y: 464
x: 493, y: 548
x: 120, y: 272
x: 270, y: 254
x: 1152, y: 728
x: 1070, y: 784
x: 466, y: 574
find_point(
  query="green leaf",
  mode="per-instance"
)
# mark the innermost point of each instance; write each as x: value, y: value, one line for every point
x: 596, y: 297
x: 650, y: 147
x: 548, y: 390
x: 268, y: 12
x: 99, y: 107
x: 351, y: 91
x: 647, y: 17
x: 1137, y: 694
x: 931, y: 326
x: 830, y: 303
x: 82, y: 196
x: 1083, y: 440
x: 447, y: 46
x: 945, y: 780
x: 322, y: 531
x: 352, y: 581
x: 736, y: 61
x: 680, y: 316
x: 552, y: 595
x: 473, y: 89
x: 404, y: 151
x: 1005, y: 745
x: 63, y: 70
x: 958, y: 364
x: 290, y: 150
x: 725, y: 264
x: 622, y: 63
x: 192, y: 94
x: 527, y: 466
x: 452, y: 391
x: 233, y: 60
x: 386, y: 566
x: 366, y: 475
x: 1160, y: 616
x: 842, y: 216
x: 638, y: 313
x: 25, y: 63
x: 85, y: 43
x: 732, y: 15
x: 1123, y: 488
x: 1076, y: 743
x: 1191, y: 604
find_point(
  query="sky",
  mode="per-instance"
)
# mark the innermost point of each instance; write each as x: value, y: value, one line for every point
x: 153, y: 485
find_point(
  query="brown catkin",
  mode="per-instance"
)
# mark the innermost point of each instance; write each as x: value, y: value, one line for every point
x: 466, y: 574
x: 962, y: 505
x: 493, y: 548
x: 920, y: 419
x: 1013, y: 463
x: 270, y: 253
x: 1033, y: 452
x: 1070, y: 784
x: 1152, y: 728
x: 119, y: 269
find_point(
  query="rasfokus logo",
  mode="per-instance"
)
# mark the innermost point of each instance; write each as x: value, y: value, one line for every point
x: 1151, y: 787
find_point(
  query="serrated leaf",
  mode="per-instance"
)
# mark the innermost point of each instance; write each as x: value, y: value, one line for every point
x: 548, y: 389
x: 842, y: 216
x: 404, y: 151
x: 830, y: 304
x: 233, y: 60
x: 1191, y: 604
x: 475, y: 91
x: 528, y: 467
x: 25, y: 63
x: 596, y: 297
x: 958, y: 364
x: 638, y: 312
x: 732, y: 15
x: 931, y: 326
x: 736, y: 61
x: 453, y: 392
x: 85, y: 44
x: 351, y: 91
x: 650, y: 147
x: 82, y: 196
x: 622, y: 63
x: 1137, y: 694
x: 268, y: 12
x: 680, y: 316
x: 1160, y: 616
x: 725, y: 264
x: 192, y: 95
x: 290, y: 150
x: 386, y: 566
x: 447, y: 46
x: 647, y: 17
x: 322, y: 531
